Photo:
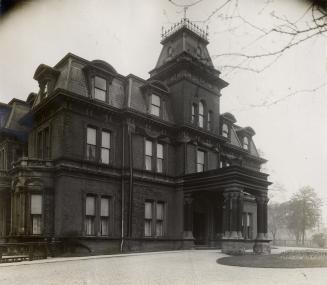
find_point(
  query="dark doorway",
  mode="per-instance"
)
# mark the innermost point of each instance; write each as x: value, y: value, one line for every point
x: 200, y: 228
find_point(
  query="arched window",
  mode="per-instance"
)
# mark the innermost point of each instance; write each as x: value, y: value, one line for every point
x: 245, y: 143
x: 193, y: 113
x: 201, y: 115
x: 225, y: 131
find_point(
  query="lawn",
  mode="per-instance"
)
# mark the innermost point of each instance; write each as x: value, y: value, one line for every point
x: 287, y: 259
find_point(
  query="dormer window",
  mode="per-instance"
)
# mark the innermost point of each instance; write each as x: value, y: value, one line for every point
x: 155, y: 105
x: 100, y: 88
x: 225, y: 131
x: 46, y: 89
x: 198, y: 51
x: 245, y: 143
x: 201, y: 115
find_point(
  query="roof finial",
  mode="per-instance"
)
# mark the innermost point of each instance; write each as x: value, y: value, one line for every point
x: 185, y: 11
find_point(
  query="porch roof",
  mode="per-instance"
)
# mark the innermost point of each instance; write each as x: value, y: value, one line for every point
x: 253, y: 182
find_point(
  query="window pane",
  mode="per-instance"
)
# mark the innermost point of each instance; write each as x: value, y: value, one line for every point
x: 225, y: 130
x: 148, y: 163
x: 105, y: 139
x: 155, y: 110
x: 90, y: 152
x: 201, y: 108
x: 159, y: 228
x: 159, y: 150
x: 148, y: 148
x: 105, y: 155
x: 36, y: 224
x: 199, y: 167
x: 89, y: 225
x: 99, y: 94
x: 36, y: 204
x: 200, y: 157
x: 201, y: 121
x: 148, y: 210
x: 104, y: 226
x: 91, y: 136
x: 147, y: 228
x: 155, y: 100
x: 160, y: 211
x: 90, y: 206
x: 104, y: 207
x: 159, y: 165
x: 100, y: 83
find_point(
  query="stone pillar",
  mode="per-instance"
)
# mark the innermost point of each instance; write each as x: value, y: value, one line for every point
x: 234, y: 215
x: 262, y: 245
x: 240, y: 215
x: 188, y: 216
x: 261, y: 217
x: 226, y: 215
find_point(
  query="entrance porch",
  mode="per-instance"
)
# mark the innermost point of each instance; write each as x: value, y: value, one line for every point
x: 227, y: 208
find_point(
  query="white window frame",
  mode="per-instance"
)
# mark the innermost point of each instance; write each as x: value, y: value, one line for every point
x: 91, y: 144
x: 99, y: 90
x: 160, y: 157
x: 105, y: 149
x: 200, y: 165
x: 155, y: 107
x: 148, y: 155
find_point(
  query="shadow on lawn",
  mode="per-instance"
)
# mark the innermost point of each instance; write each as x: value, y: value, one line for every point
x: 287, y: 259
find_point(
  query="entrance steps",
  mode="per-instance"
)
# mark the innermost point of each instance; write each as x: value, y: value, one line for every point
x: 204, y: 247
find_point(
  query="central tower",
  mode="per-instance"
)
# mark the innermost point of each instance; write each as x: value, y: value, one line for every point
x: 185, y: 66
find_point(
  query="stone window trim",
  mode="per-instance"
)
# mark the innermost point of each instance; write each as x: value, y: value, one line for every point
x: 200, y: 115
x: 154, y: 157
x: 98, y: 144
x: 43, y: 142
x: 98, y: 215
x: 156, y: 223
x: 91, y: 72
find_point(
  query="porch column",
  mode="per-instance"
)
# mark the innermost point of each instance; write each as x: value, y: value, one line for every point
x: 261, y: 217
x: 240, y: 215
x: 188, y: 216
x: 234, y: 215
x: 226, y: 215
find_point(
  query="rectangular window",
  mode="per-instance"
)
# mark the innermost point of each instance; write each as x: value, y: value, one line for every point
x: 89, y: 215
x: 160, y: 158
x: 100, y: 88
x: 148, y: 219
x: 104, y: 217
x: 105, y: 147
x: 193, y: 113
x: 155, y: 105
x: 160, y: 219
x: 148, y: 155
x: 200, y: 161
x: 36, y: 213
x: 91, y: 143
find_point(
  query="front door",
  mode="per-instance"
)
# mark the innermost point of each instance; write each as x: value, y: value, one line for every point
x: 200, y: 228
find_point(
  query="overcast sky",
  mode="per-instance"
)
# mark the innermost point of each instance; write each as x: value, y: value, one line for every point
x: 292, y: 134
